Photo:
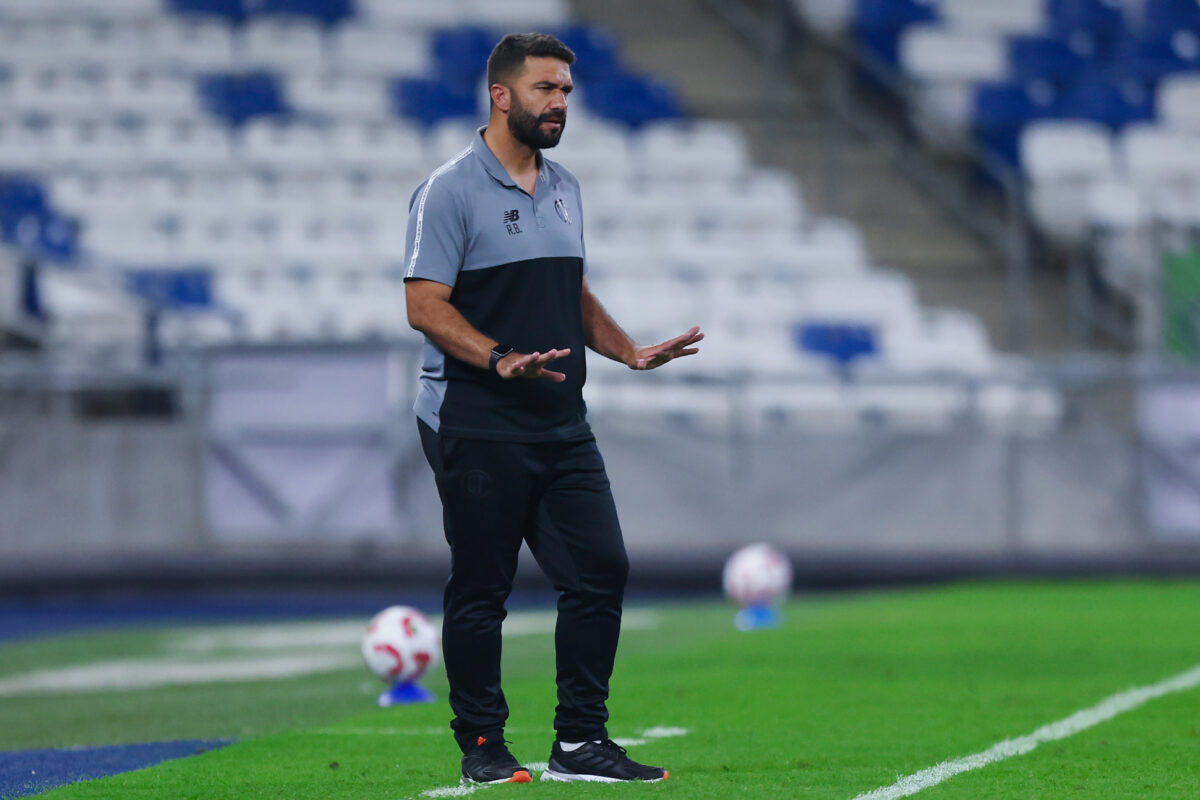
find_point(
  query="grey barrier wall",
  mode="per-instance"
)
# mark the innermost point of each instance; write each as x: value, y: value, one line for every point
x: 306, y: 461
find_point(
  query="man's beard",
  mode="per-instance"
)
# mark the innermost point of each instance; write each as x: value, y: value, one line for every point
x: 527, y: 129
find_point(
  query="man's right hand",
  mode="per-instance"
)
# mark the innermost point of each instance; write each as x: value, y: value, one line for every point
x: 520, y: 365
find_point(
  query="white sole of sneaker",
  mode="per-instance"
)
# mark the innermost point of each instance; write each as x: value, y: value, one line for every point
x: 551, y: 775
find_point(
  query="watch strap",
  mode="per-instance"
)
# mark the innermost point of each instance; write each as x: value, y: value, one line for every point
x: 498, y: 352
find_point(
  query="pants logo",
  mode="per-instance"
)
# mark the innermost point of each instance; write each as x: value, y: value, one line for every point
x: 477, y: 483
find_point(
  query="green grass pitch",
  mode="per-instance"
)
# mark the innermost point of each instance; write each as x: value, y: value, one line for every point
x: 849, y: 693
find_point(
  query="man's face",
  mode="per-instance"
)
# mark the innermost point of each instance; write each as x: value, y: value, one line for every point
x: 537, y: 112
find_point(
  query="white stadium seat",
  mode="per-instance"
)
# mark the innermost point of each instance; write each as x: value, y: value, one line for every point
x: 695, y: 151
x: 189, y: 144
x: 1155, y: 155
x: 416, y: 15
x: 944, y: 64
x: 284, y: 44
x: 392, y: 148
x: 191, y: 45
x: 1062, y: 159
x: 1178, y: 101
x: 1006, y: 17
x: 359, y: 49
x: 285, y: 146
x: 828, y: 17
x: 57, y: 94
x: 339, y: 98
x: 152, y: 95
x: 517, y: 13
x: 20, y: 146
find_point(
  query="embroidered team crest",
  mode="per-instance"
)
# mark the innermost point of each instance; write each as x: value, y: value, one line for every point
x: 560, y: 206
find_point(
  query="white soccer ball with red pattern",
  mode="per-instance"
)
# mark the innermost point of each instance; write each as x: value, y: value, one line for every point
x: 757, y: 575
x: 401, y: 645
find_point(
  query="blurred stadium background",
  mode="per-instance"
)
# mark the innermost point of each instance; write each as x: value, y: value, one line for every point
x: 944, y: 252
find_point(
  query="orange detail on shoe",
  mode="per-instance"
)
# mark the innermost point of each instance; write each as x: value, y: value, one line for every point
x: 479, y: 742
x: 666, y: 775
x: 521, y: 776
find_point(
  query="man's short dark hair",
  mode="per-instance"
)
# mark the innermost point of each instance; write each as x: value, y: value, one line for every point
x: 509, y: 55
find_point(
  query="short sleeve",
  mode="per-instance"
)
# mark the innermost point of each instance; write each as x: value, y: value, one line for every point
x: 436, y: 240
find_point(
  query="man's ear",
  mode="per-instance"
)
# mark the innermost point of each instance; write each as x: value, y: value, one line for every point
x: 501, y: 97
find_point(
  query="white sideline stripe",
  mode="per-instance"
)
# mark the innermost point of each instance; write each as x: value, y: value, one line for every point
x: 314, y: 648
x: 412, y: 263
x: 349, y: 633
x: 1069, y: 726
x: 465, y: 789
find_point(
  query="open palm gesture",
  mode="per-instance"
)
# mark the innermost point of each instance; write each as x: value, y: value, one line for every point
x: 656, y: 355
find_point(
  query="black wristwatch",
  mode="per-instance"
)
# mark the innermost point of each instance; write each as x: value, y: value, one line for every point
x: 499, y: 352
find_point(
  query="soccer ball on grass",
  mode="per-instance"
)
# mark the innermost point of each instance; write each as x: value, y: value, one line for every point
x: 401, y: 645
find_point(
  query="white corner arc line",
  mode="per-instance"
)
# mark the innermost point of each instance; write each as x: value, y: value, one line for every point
x: 1068, y: 726
x: 412, y: 263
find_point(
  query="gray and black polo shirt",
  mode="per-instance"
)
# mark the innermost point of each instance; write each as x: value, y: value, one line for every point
x: 516, y: 265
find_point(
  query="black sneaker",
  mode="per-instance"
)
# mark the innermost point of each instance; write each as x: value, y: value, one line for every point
x: 488, y: 761
x: 602, y: 762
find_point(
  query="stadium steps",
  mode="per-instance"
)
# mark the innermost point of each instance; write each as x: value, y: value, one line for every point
x: 720, y: 76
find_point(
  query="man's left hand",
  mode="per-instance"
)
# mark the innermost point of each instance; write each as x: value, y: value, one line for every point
x: 659, y: 354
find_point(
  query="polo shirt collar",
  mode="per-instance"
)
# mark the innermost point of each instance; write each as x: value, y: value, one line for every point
x: 496, y: 169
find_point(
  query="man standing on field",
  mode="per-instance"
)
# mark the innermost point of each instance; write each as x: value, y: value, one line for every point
x: 496, y: 282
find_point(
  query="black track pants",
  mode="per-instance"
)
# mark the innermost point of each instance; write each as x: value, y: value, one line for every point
x: 555, y: 496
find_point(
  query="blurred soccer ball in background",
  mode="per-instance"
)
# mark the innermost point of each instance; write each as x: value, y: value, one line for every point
x: 757, y: 575
x: 401, y: 645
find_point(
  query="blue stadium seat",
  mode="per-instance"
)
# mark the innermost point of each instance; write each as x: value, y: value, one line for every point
x: 460, y: 54
x: 232, y: 10
x: 172, y: 289
x: 878, y: 23
x: 1002, y: 109
x: 633, y: 100
x: 1037, y: 57
x: 1102, y: 18
x: 431, y: 100
x: 597, y: 52
x: 328, y: 12
x: 238, y: 98
x: 28, y: 222
x: 1111, y: 103
x: 1153, y: 57
x: 1164, y: 17
x: 842, y: 343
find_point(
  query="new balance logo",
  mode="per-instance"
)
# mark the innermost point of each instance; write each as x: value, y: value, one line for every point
x: 510, y: 222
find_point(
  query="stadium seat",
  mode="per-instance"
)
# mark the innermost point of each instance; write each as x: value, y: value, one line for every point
x: 1154, y: 156
x: 688, y: 152
x: 239, y: 98
x: 517, y: 14
x: 326, y: 12
x: 1116, y: 206
x: 1148, y: 59
x: 334, y: 98
x: 410, y: 15
x: 431, y: 101
x: 460, y: 54
x: 196, y: 46
x: 56, y: 94
x: 1179, y: 101
x: 147, y: 94
x: 1041, y: 57
x: 878, y: 23
x: 633, y: 100
x: 359, y: 49
x: 1165, y: 17
x: 596, y: 51
x: 1112, y: 104
x: 1001, y: 110
x: 282, y: 44
x: 288, y: 147
x: 388, y: 149
x: 189, y: 144
x: 1061, y: 160
x: 931, y: 53
x: 231, y: 10
x: 1103, y: 19
x: 842, y: 343
x: 1009, y: 17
